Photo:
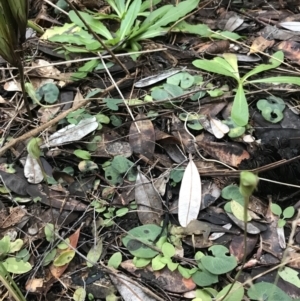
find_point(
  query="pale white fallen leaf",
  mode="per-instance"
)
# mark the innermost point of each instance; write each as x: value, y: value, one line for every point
x: 32, y: 170
x: 219, y: 128
x: 72, y: 132
x: 190, y: 195
x: 281, y: 237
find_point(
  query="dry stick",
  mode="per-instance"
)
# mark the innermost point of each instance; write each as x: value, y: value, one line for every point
x: 97, y: 38
x: 50, y: 123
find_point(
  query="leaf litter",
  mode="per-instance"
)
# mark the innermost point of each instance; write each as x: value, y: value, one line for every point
x: 114, y: 166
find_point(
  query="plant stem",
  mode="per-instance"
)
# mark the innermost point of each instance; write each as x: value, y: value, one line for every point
x: 22, y: 81
x: 10, y: 284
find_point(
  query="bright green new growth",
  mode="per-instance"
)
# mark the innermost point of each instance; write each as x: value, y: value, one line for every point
x: 227, y: 66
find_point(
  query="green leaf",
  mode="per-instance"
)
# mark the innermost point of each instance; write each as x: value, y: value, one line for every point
x: 115, y: 260
x: 49, y: 232
x: 93, y: 144
x: 238, y: 211
x: 49, y: 92
x: 281, y: 223
x: 290, y: 275
x: 49, y: 257
x: 16, y: 245
x: 288, y: 212
x: 220, y: 263
x: 199, y: 29
x: 168, y: 249
x: 231, y: 59
x: 102, y: 118
x: 141, y: 262
x: 232, y: 192
x: 184, y: 272
x: 112, y: 103
x: 157, y: 264
x: 64, y: 258
x: 267, y: 291
x: 129, y: 19
x: 121, y: 164
x: 176, y: 174
x: 113, y: 176
x: 274, y: 62
x: 79, y: 294
x: 278, y: 80
x: 159, y: 94
x: 174, y: 13
x: 121, y: 212
x: 82, y: 154
x: 4, y: 245
x: 236, y: 294
x: 276, y: 209
x: 15, y: 266
x: 204, y: 278
x: 138, y: 238
x: 95, y: 25
x: 271, y: 108
x: 214, y: 66
x: 173, y: 90
x: 239, y: 111
x: 94, y: 253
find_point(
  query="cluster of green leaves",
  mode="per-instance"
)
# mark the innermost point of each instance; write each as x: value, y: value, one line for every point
x: 117, y: 168
x: 65, y: 254
x: 139, y: 242
x: 109, y: 212
x: 228, y: 66
x: 282, y: 214
x: 13, y: 257
x: 271, y: 108
x: 137, y: 21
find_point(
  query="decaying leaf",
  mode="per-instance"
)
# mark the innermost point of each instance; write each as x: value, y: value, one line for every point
x: 72, y: 132
x: 142, y: 136
x: 190, y: 195
x: 128, y: 289
x: 33, y: 171
x: 148, y: 200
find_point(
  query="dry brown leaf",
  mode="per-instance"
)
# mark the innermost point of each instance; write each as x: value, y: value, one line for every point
x: 148, y: 200
x: 142, y: 136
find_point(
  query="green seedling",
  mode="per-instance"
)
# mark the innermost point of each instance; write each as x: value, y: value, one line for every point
x: 283, y: 215
x: 227, y: 66
x: 271, y: 108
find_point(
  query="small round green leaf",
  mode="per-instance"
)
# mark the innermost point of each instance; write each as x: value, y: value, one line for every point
x: 15, y: 266
x: 82, y: 154
x: 220, y: 263
x: 64, y: 258
x: 157, y: 264
x: 115, y: 260
x: 168, y: 249
x: 288, y: 212
x: 49, y: 92
x: 138, y: 238
x: 79, y: 294
x: 204, y: 278
x: 276, y: 209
